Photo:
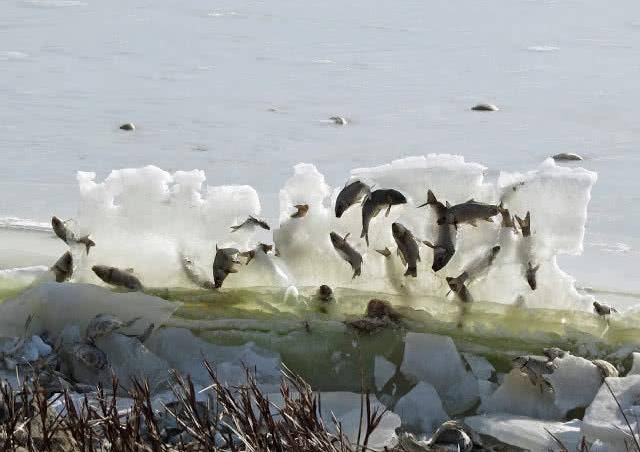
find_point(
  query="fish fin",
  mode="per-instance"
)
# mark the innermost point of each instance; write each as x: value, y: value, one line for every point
x: 429, y: 244
x: 366, y: 237
x: 472, y: 223
x: 613, y: 309
x: 489, y: 220
x: 346, y: 236
x: 232, y: 270
x: 386, y: 214
x: 235, y: 228
x: 447, y: 204
x: 129, y: 270
x: 385, y: 252
x: 431, y: 198
x: 471, y: 200
x: 217, y: 247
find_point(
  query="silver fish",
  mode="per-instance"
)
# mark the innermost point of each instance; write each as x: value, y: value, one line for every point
x: 347, y: 252
x: 351, y: 194
x: 603, y: 309
x: 443, y: 248
x: 476, y: 269
x: 374, y: 203
x: 117, y: 277
x: 526, y: 254
x: 407, y: 248
x: 63, y: 268
x: 251, y: 221
x: 535, y: 369
x: 68, y: 236
x: 223, y: 264
x: 468, y: 212
x: 104, y: 324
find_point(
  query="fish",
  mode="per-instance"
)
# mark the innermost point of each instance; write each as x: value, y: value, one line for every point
x: 302, y: 210
x: 535, y: 369
x: 407, y: 248
x: 251, y: 221
x: 223, y: 264
x: 468, y: 212
x: 63, y: 268
x: 351, y: 194
x: 325, y: 294
x: 457, y: 286
x: 117, y: 277
x: 475, y: 270
x: 347, y: 252
x: 68, y: 236
x: 603, y: 309
x: 374, y: 203
x: 526, y: 252
x: 443, y: 248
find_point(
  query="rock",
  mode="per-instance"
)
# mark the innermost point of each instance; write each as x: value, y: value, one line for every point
x: 434, y: 359
x: 527, y: 433
x: 383, y: 371
x: 484, y: 107
x: 567, y: 157
x: 603, y: 419
x: 129, y: 126
x: 421, y: 409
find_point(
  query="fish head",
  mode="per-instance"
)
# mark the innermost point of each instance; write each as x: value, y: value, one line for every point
x: 454, y: 284
x: 341, y: 206
x: 440, y: 258
x: 265, y: 248
x: 325, y: 292
x: 531, y: 276
x: 219, y: 276
x: 397, y: 229
x: 101, y: 270
x: 56, y: 222
x: 395, y: 197
x: 336, y: 240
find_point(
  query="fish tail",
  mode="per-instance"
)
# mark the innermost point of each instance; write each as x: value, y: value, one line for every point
x: 235, y: 228
x: 356, y: 272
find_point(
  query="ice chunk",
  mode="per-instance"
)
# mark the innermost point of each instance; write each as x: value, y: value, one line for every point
x: 421, y: 409
x: 603, y: 419
x: 516, y: 395
x: 383, y: 371
x: 186, y: 352
x: 435, y: 360
x: 128, y: 358
x: 635, y: 365
x: 480, y: 366
x: 55, y: 305
x: 527, y: 433
x: 558, y: 221
x: 575, y: 382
